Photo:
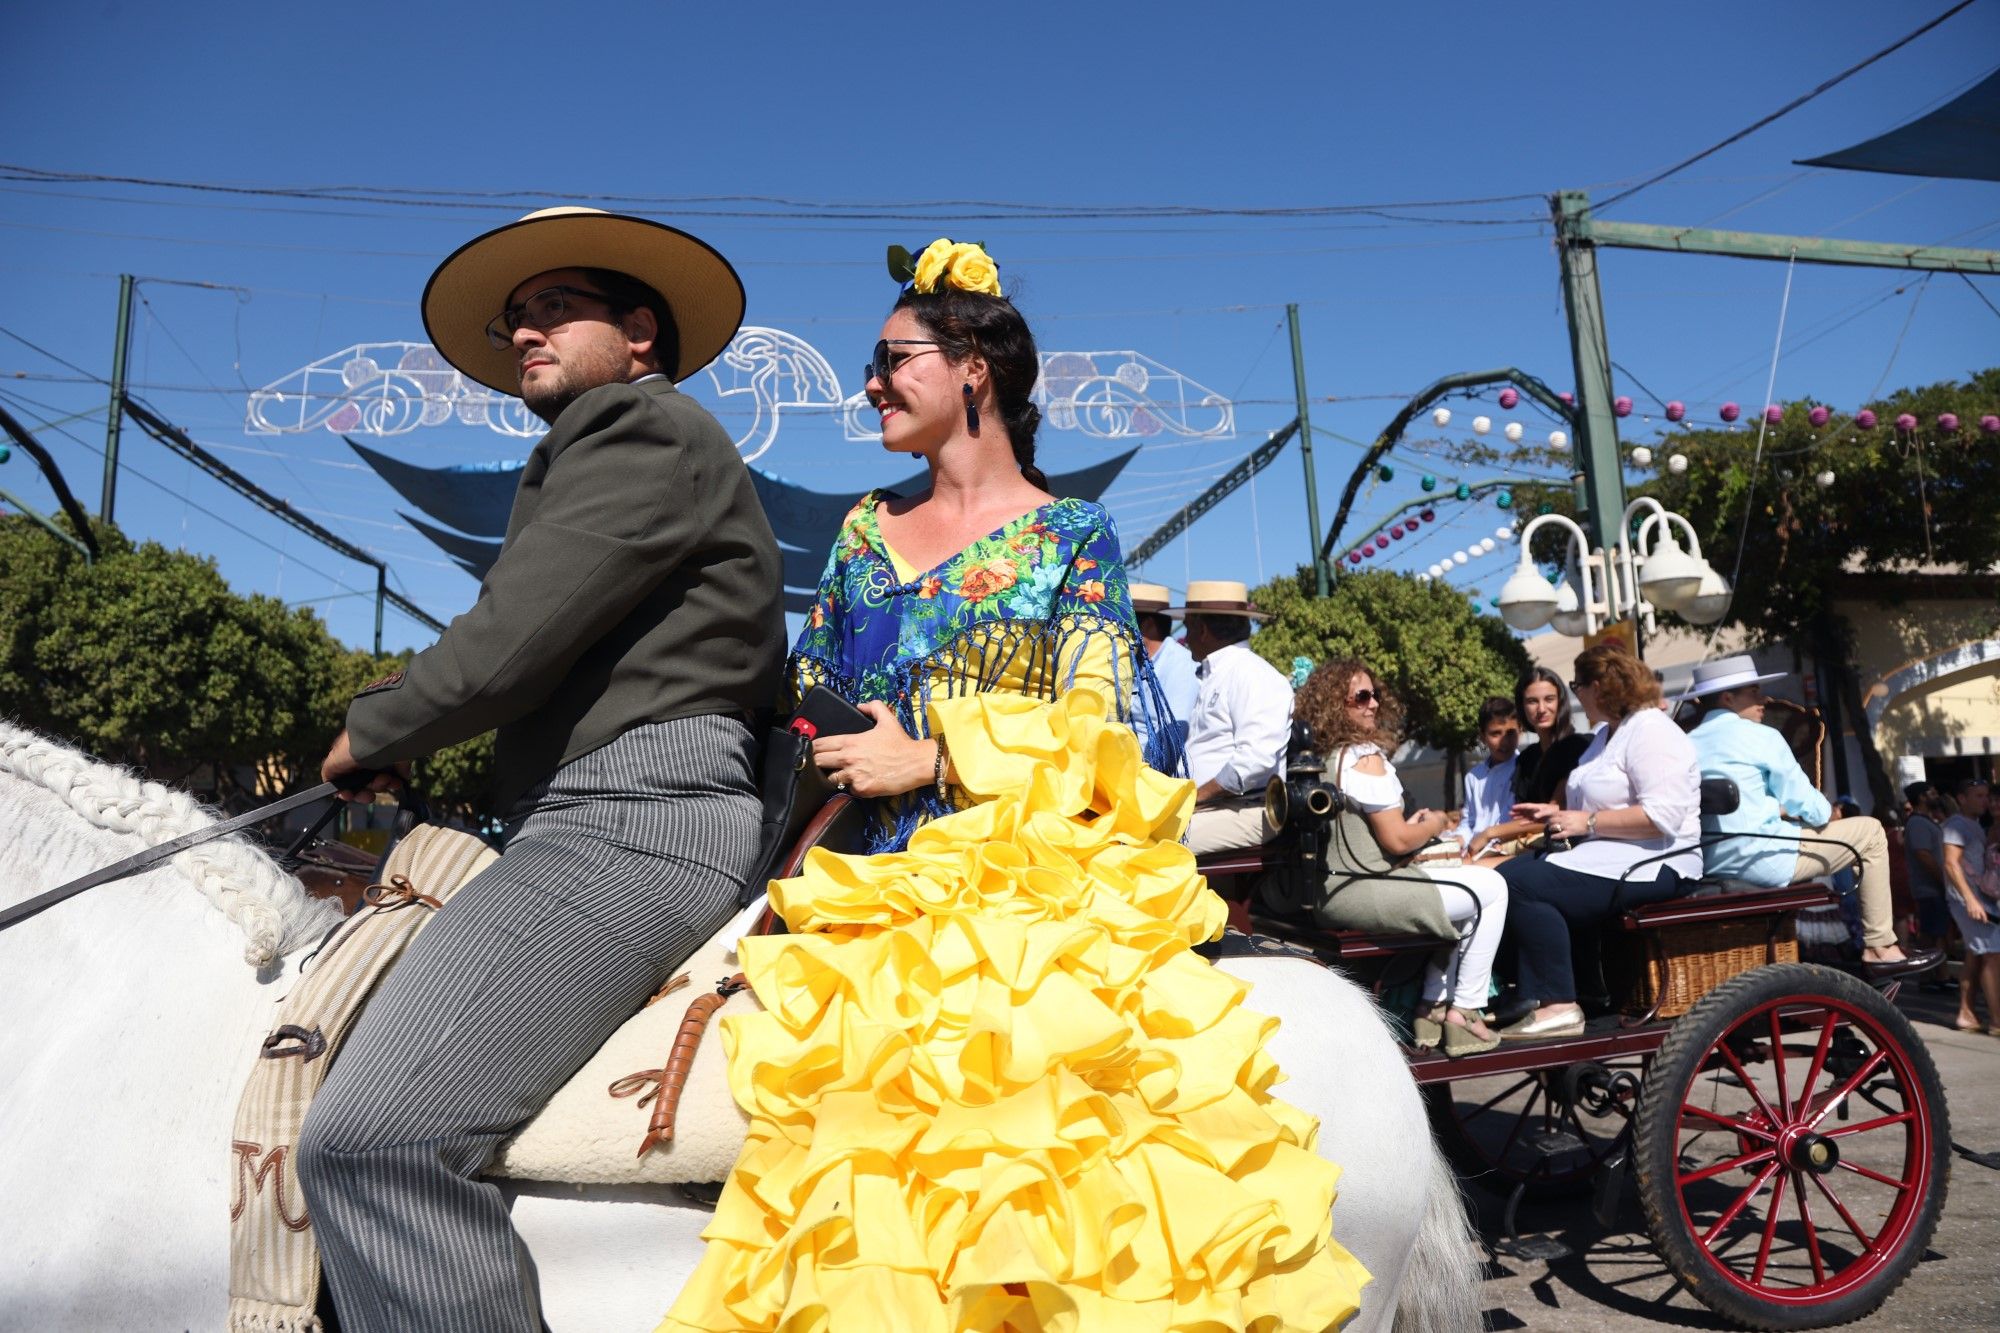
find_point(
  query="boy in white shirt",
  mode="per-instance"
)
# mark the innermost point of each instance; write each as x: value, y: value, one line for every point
x: 1489, y: 787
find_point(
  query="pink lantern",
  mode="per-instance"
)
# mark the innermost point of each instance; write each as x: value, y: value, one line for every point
x: 1906, y: 421
x: 1774, y: 414
x: 1865, y: 419
x: 1508, y: 398
x: 1379, y: 544
x: 1396, y: 531
x: 1621, y: 406
x: 1354, y: 557
x: 1730, y: 412
x: 1676, y: 410
x: 1818, y: 416
x: 1569, y: 398
x: 1947, y: 422
x: 1428, y: 516
x: 1990, y: 424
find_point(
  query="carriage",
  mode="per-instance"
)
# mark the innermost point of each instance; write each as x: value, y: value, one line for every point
x: 1783, y: 1124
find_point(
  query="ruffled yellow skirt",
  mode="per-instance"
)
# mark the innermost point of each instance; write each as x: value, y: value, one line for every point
x: 992, y: 1089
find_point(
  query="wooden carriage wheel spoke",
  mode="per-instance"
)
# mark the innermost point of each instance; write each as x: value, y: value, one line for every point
x: 1747, y: 1159
x: 1770, y: 1231
x: 1728, y: 1122
x: 1756, y: 1187
x: 1845, y: 1216
x: 1749, y: 1084
x: 1877, y: 1176
x: 1494, y: 1101
x: 1853, y: 1081
x: 1812, y: 1232
x: 1778, y: 1063
x: 1818, y: 1065
x: 1842, y: 1131
x: 1515, y: 1133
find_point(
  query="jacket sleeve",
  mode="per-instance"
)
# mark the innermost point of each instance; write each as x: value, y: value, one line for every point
x: 1794, y: 795
x: 618, y: 512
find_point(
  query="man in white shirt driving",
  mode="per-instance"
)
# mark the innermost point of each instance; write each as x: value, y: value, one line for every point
x: 1242, y: 718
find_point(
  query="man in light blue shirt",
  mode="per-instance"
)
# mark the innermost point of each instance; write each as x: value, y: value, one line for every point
x: 1731, y: 741
x: 1173, y: 666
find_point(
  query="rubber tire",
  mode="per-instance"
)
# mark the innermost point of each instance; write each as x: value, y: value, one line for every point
x: 1656, y: 1143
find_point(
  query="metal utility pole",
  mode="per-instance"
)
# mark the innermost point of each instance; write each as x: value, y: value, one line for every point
x: 114, y: 418
x: 1600, y: 490
x: 1306, y: 448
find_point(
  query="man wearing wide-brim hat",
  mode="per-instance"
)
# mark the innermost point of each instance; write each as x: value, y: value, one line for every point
x: 1755, y: 843
x: 1173, y: 667
x: 622, y: 643
x: 1242, y: 718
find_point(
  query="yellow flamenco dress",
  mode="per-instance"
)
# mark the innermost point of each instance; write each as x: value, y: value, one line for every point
x: 991, y: 1087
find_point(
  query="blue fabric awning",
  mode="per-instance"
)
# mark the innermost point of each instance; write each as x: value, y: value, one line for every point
x: 1961, y: 139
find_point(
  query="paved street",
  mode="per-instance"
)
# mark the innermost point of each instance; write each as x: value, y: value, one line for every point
x: 1614, y: 1281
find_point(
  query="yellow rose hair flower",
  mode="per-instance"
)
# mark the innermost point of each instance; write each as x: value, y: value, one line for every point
x: 960, y: 264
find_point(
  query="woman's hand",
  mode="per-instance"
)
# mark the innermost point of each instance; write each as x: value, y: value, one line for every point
x: 885, y: 760
x: 1974, y: 908
x: 1567, y: 824
x: 1535, y: 812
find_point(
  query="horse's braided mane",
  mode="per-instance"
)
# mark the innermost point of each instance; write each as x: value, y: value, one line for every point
x: 270, y: 906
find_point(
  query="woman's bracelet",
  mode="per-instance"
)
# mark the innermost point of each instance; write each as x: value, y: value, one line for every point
x: 937, y: 769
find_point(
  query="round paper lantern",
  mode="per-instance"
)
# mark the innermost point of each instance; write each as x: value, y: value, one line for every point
x: 1428, y: 482
x: 1819, y: 416
x: 1513, y: 431
x: 6, y: 452
x: 1730, y: 412
x: 1428, y: 515
x: 1381, y: 543
x: 1906, y: 421
x: 1354, y: 557
x: 1460, y: 558
x: 1480, y: 425
x: 1493, y: 602
x: 1486, y: 545
x: 1396, y: 531
x: 1947, y: 421
x: 1825, y: 479
x: 1865, y: 419
x: 1505, y: 532
x: 1568, y: 397
x: 1774, y: 414
x: 1676, y: 410
x: 1435, y: 570
x: 1990, y: 424
x: 1621, y: 406
x: 1509, y: 397
x: 1504, y: 500
x: 1464, y: 492
x: 1385, y: 472
x: 1557, y: 439
x: 1642, y: 456
x: 1677, y: 463
x: 1442, y: 416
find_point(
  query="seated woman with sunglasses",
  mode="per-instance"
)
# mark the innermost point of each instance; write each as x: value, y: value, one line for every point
x: 1629, y: 830
x: 1353, y: 722
x: 991, y: 1084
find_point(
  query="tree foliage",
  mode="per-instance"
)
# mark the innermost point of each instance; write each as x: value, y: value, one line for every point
x: 1426, y: 642
x: 147, y: 657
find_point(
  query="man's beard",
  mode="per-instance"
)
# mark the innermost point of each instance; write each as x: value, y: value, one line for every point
x: 550, y: 397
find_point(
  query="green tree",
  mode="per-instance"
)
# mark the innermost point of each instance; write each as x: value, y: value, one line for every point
x: 1440, y: 656
x: 1892, y: 500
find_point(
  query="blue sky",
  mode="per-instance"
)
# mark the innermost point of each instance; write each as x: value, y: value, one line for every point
x: 1239, y: 107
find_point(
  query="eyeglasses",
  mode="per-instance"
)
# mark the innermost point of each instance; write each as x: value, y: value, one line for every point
x: 886, y: 363
x: 1576, y: 685
x: 1362, y: 698
x: 544, y: 310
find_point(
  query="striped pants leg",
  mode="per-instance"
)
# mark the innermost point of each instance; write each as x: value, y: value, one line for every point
x: 626, y: 859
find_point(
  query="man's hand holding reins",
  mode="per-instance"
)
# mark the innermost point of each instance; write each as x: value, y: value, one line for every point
x: 340, y: 767
x: 885, y: 760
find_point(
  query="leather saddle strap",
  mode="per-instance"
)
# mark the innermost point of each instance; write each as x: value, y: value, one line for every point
x: 670, y: 1080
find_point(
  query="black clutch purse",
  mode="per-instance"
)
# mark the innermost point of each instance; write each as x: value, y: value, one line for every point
x: 794, y: 788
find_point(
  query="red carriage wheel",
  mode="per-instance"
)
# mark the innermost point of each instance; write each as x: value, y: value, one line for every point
x: 1792, y: 1148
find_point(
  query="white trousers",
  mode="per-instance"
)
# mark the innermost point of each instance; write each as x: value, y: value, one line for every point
x: 1468, y: 892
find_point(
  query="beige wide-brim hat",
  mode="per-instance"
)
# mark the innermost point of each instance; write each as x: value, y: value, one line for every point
x: 1149, y: 598
x: 1218, y: 597
x: 473, y: 284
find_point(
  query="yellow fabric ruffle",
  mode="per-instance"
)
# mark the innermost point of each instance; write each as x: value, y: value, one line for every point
x: 990, y: 1087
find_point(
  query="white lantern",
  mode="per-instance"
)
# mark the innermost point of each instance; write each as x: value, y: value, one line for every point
x: 1677, y: 463
x: 1480, y: 425
x: 1514, y: 431
x: 1459, y: 557
x: 1505, y: 532
x: 1558, y: 440
x: 1423, y: 578
x: 1486, y: 545
x: 1435, y: 570
x: 1642, y: 457
x: 1442, y: 416
x: 1825, y: 479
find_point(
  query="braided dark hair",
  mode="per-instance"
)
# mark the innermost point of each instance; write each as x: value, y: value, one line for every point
x: 965, y: 323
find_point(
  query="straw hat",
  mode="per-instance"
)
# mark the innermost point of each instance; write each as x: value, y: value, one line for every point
x: 472, y: 286
x: 1218, y: 597
x: 1726, y: 673
x: 1148, y: 598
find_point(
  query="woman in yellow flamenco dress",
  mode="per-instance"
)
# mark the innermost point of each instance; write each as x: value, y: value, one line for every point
x: 991, y: 1086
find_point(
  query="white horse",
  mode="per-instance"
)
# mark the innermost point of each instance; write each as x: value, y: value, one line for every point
x: 128, y: 1023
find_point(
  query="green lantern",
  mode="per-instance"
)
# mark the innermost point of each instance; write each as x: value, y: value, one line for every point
x: 1385, y: 472
x: 1505, y: 499
x: 1429, y: 482
x: 1464, y: 492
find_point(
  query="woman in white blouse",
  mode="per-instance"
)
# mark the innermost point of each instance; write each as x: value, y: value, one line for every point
x: 1353, y: 722
x: 1634, y: 797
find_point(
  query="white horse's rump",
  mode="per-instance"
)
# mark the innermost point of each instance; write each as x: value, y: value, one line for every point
x: 130, y: 1023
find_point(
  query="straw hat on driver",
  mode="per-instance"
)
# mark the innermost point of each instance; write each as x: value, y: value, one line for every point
x: 1726, y: 673
x: 473, y: 285
x: 1148, y: 598
x: 1218, y: 597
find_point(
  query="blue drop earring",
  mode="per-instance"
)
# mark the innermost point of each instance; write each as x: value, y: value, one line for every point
x: 971, y: 410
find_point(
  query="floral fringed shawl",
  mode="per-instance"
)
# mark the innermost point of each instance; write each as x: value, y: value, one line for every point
x: 1033, y: 608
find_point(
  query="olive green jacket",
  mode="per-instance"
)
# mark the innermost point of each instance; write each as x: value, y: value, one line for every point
x: 639, y: 582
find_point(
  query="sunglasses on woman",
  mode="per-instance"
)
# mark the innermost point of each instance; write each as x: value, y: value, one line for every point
x: 886, y: 362
x: 1362, y: 698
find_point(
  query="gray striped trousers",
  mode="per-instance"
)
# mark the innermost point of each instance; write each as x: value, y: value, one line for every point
x: 621, y: 863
